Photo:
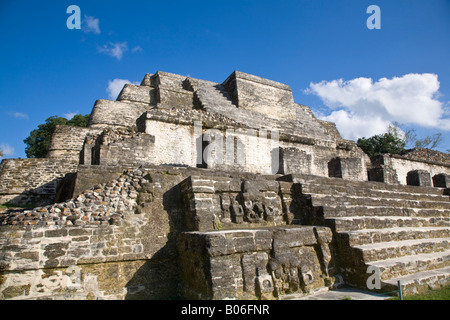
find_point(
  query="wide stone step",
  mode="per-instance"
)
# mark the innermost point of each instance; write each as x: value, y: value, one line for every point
x: 313, y: 188
x: 318, y: 200
x: 399, y: 267
x: 373, y: 185
x: 370, y: 222
x: 366, y: 236
x: 389, y: 250
x: 381, y: 211
x: 421, y: 281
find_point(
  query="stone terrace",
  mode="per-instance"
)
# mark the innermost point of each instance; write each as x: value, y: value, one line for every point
x: 402, y: 230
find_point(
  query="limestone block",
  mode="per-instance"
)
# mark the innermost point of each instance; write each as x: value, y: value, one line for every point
x: 171, y: 92
x: 237, y: 214
x: 134, y: 93
x: 251, y: 267
x: 33, y: 181
x: 295, y: 161
x: 287, y: 237
x: 115, y: 113
x: 147, y: 81
x: 265, y: 96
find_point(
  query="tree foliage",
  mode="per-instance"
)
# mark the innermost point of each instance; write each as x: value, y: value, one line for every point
x: 38, y: 140
x: 1, y: 153
x: 381, y: 143
x: 395, y: 140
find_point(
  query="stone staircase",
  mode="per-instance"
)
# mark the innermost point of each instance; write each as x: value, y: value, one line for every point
x: 212, y: 95
x: 214, y: 98
x: 402, y: 230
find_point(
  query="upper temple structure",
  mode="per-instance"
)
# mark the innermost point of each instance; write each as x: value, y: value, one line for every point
x: 186, y: 188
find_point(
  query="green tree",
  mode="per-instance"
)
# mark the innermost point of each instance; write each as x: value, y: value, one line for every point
x: 1, y: 153
x: 381, y: 143
x: 79, y: 120
x: 396, y: 140
x: 38, y: 140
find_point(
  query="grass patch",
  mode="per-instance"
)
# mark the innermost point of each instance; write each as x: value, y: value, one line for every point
x: 9, y: 206
x: 438, y: 294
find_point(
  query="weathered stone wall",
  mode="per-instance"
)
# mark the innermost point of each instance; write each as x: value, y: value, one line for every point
x: 126, y: 257
x: 117, y: 240
x: 103, y: 204
x: 104, y: 262
x: 141, y: 94
x: 401, y: 166
x: 180, y: 144
x: 331, y: 129
x: 261, y: 95
x: 108, y: 113
x: 353, y: 169
x: 33, y: 181
x: 215, y: 99
x: 90, y: 175
x: 216, y: 202
x: 120, y: 147
x: 293, y: 160
x: 174, y: 144
x: 171, y: 92
x: 255, y: 264
x: 426, y: 155
x: 67, y: 142
x: 316, y: 159
x: 233, y: 137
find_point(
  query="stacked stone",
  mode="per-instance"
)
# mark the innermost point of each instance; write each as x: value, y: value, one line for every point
x: 91, y: 138
x: 423, y: 154
x: 188, y: 116
x: 402, y: 231
x: 104, y: 204
x: 112, y: 135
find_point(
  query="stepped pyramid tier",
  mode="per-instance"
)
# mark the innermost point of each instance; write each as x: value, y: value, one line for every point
x: 403, y: 231
x: 187, y: 188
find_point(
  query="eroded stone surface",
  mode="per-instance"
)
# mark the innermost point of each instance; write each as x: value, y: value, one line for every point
x: 195, y: 189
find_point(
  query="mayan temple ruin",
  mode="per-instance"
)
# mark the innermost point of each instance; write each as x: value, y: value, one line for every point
x: 189, y: 189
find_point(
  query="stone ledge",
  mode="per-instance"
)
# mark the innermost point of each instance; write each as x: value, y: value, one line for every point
x: 259, y: 80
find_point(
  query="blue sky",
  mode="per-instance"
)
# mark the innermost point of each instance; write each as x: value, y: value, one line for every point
x: 400, y: 72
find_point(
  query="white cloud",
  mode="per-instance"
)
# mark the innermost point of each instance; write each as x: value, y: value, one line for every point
x: 90, y: 25
x: 115, y: 86
x: 137, y: 49
x: 7, y: 149
x: 361, y: 107
x: 19, y: 115
x: 115, y: 50
x: 70, y: 115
